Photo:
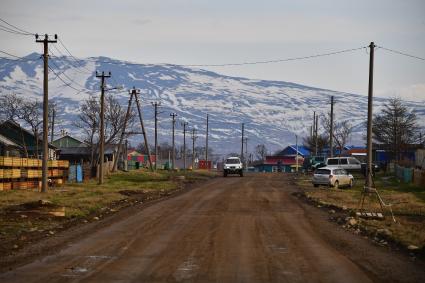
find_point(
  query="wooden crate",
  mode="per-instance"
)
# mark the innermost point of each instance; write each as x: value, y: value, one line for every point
x: 34, y: 163
x: 16, y: 162
x: 6, y: 161
x: 32, y: 184
x: 1, y: 174
x: 24, y: 162
x: 63, y: 163
x: 31, y: 173
x: 7, y: 186
x: 53, y: 164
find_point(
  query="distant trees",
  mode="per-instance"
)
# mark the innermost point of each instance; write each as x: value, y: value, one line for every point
x: 310, y: 143
x: 260, y: 152
x: 341, y: 131
x: 395, y: 126
x: 89, y: 122
x: 10, y: 104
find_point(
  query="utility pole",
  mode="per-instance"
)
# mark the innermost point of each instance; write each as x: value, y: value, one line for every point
x: 296, y: 154
x: 173, y: 143
x: 246, y: 153
x: 127, y: 115
x: 368, y: 184
x: 155, y: 105
x: 243, y: 131
x: 314, y: 132
x: 102, y: 123
x: 194, y: 137
x: 316, y: 135
x: 331, y: 133
x: 45, y: 42
x: 52, y: 135
x: 206, y: 145
x: 184, y: 124
x: 136, y: 92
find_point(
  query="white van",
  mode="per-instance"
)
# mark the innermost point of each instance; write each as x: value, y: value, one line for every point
x: 347, y: 163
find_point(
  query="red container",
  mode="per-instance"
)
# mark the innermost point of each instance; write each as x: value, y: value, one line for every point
x: 204, y: 165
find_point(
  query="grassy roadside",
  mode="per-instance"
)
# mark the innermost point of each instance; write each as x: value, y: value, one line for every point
x: 407, y: 202
x: 86, y: 202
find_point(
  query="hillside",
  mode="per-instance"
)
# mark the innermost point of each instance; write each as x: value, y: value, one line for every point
x: 273, y: 111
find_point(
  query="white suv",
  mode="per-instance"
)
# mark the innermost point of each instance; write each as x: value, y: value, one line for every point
x: 233, y: 165
x: 332, y: 177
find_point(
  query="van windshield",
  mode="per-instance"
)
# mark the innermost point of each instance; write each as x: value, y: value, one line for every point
x: 232, y: 161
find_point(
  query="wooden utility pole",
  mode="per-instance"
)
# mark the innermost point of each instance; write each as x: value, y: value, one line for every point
x: 127, y: 116
x: 296, y: 154
x: 173, y: 143
x: 206, y: 145
x: 331, y: 133
x: 194, y: 137
x: 45, y: 42
x: 243, y: 131
x: 102, y: 124
x: 368, y: 184
x: 52, y: 135
x: 184, y: 124
x: 246, y: 153
x: 155, y: 105
x: 316, y: 140
x: 136, y: 92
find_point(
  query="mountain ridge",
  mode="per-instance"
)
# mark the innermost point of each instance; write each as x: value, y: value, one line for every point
x: 273, y: 111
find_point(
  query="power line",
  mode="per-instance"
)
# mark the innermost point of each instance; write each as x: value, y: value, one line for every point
x: 63, y: 56
x: 112, y: 62
x: 277, y: 60
x: 72, y: 56
x: 401, y: 53
x: 17, y: 57
x: 63, y: 73
x: 69, y: 84
x: 16, y: 28
x: 9, y: 30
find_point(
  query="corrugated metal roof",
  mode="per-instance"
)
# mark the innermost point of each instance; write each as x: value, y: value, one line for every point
x: 7, y: 141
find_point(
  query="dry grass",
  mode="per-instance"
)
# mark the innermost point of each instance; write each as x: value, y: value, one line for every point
x: 82, y: 200
x: 407, y: 203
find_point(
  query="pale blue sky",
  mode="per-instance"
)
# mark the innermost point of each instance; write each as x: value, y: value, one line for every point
x: 215, y: 32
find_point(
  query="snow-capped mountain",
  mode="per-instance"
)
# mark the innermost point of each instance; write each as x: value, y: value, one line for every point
x: 273, y: 111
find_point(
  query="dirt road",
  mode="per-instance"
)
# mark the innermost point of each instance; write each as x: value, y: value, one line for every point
x: 233, y: 229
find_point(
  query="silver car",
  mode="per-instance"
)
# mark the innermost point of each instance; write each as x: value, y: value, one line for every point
x: 332, y: 177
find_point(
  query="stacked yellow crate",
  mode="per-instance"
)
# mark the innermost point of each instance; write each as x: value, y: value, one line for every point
x: 25, y: 173
x: 5, y: 161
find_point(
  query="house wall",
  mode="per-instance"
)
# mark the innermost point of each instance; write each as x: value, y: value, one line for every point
x: 66, y: 142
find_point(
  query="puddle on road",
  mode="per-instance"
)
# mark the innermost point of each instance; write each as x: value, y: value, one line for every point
x: 88, y: 263
x: 186, y: 270
x: 274, y: 248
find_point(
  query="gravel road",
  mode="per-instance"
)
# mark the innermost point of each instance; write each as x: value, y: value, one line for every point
x: 232, y: 229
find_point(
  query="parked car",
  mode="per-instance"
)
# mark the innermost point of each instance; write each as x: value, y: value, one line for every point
x: 233, y: 165
x: 314, y: 162
x: 347, y: 163
x: 332, y: 177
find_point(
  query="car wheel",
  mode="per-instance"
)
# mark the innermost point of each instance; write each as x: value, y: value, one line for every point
x: 225, y: 174
x: 351, y: 183
x: 336, y: 185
